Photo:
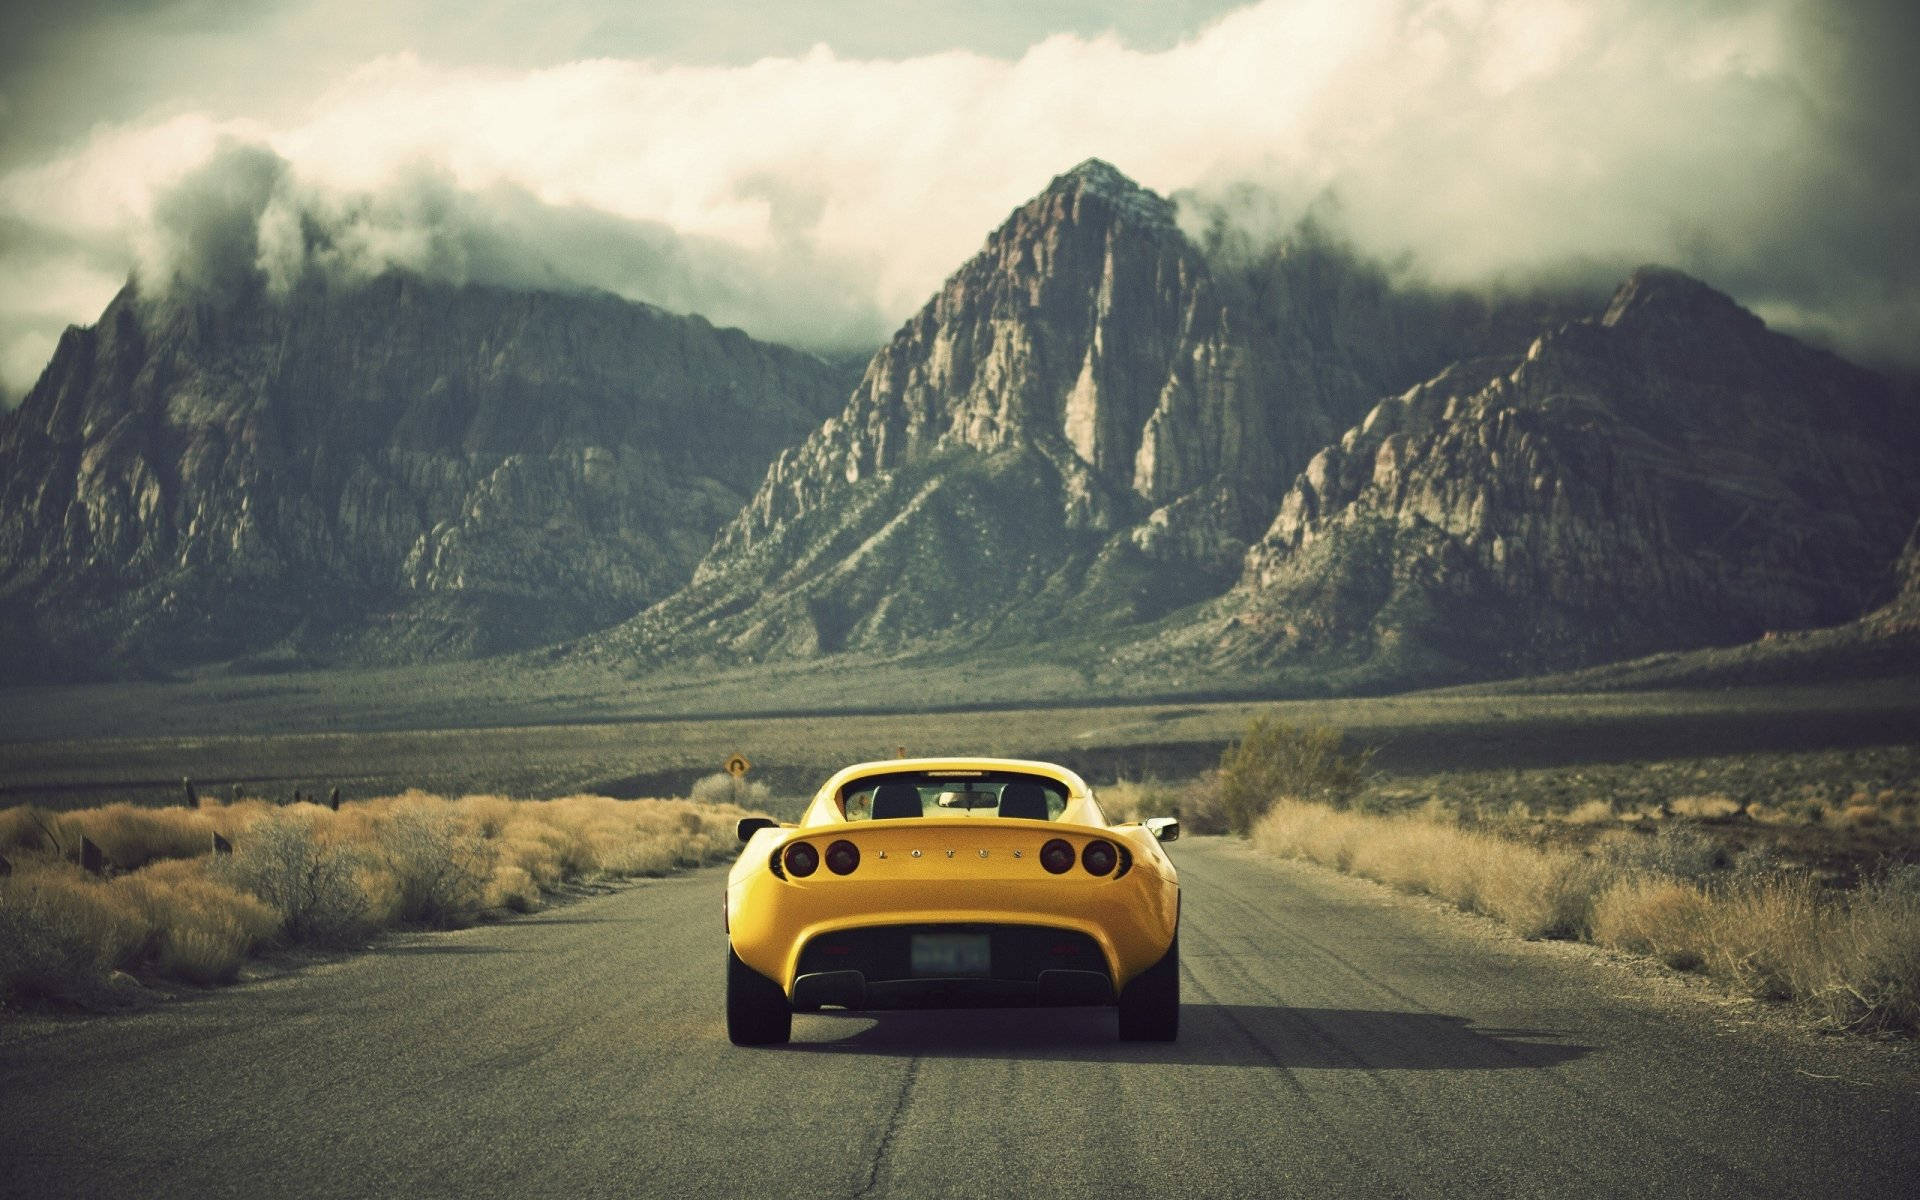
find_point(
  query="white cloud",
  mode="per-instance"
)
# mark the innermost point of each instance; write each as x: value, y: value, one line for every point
x: 821, y: 197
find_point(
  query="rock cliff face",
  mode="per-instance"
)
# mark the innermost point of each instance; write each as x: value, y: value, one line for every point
x: 1131, y: 445
x: 1668, y: 475
x: 1902, y: 613
x: 1086, y: 427
x: 394, y: 470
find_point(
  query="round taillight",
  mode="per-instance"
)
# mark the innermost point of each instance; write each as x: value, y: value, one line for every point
x: 842, y: 857
x: 1057, y: 856
x: 1099, y: 857
x: 802, y: 860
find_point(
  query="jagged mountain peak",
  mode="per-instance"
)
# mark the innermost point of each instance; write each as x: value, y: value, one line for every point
x: 396, y: 468
x: 1655, y: 296
x: 1084, y: 414
x: 1100, y: 180
x: 1671, y: 475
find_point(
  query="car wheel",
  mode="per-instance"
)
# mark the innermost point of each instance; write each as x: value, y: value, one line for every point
x: 757, y: 1012
x: 1150, y: 1005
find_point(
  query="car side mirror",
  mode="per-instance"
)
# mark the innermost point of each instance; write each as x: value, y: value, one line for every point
x: 1167, y: 829
x: 749, y: 826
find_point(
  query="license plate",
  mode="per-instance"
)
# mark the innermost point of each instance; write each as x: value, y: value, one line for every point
x: 948, y: 955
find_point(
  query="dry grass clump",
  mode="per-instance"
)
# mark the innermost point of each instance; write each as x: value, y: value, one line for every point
x: 553, y: 841
x: 1135, y: 800
x: 67, y: 935
x: 1862, y: 815
x: 1661, y: 917
x: 1540, y: 893
x: 1677, y: 852
x: 169, y: 908
x: 198, y: 929
x: 128, y: 835
x: 1853, y: 959
x: 303, y: 863
x: 1593, y: 812
x: 1713, y: 807
x: 1200, y: 805
x: 722, y: 788
x: 439, y: 864
x: 62, y: 933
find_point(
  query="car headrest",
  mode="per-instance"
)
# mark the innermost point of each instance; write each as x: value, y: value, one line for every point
x: 894, y: 800
x: 1027, y: 801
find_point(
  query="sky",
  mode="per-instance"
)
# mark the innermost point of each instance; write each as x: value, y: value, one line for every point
x: 811, y: 172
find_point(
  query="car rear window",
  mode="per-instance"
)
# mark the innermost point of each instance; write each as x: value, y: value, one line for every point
x: 954, y: 794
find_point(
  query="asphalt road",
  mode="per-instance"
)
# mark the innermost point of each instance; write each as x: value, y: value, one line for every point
x: 1335, y: 1042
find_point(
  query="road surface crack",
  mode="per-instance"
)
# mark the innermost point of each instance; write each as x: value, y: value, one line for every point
x: 894, y: 1119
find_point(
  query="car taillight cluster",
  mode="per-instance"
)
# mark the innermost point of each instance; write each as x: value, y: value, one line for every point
x: 842, y: 857
x: 1099, y: 857
x: 801, y: 859
x: 797, y: 860
x: 1057, y: 856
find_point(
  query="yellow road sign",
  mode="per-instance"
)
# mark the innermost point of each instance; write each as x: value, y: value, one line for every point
x: 738, y: 765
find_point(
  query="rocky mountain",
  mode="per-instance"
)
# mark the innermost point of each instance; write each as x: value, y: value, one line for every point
x: 1907, y: 573
x: 1668, y: 474
x: 394, y: 470
x: 1122, y: 437
x: 1086, y: 427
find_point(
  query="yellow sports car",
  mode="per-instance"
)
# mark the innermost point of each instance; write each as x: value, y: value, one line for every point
x: 948, y: 882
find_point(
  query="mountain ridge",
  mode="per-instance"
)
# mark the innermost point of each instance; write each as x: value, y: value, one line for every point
x: 1154, y: 408
x: 1671, y: 474
x: 399, y: 469
x: 1123, y: 437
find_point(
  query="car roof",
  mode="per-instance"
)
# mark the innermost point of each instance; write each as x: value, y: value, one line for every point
x: 825, y: 811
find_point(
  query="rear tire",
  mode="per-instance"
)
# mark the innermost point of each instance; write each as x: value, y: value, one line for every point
x: 1150, y: 1004
x: 757, y: 1010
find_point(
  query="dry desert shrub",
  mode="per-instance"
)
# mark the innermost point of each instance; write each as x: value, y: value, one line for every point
x: 543, y: 844
x: 1200, y: 807
x: 1871, y: 979
x: 1852, y: 959
x: 722, y: 788
x: 1273, y: 760
x: 1538, y: 893
x: 131, y: 836
x: 1135, y: 800
x: 1767, y: 937
x: 512, y: 889
x: 437, y: 860
x: 1675, y: 852
x: 305, y: 873
x: 1310, y: 831
x: 1704, y: 808
x: 198, y: 930
x: 312, y: 881
x: 1593, y: 812
x: 489, y: 815
x: 1664, y: 918
x: 29, y: 831
x: 62, y: 933
x: 1863, y: 816
x: 1403, y: 853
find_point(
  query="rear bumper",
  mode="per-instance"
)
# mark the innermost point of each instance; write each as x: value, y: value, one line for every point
x: 931, y: 872
x: 1026, y: 966
x: 850, y: 989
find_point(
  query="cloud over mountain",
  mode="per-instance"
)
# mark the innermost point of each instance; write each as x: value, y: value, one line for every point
x: 818, y: 196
